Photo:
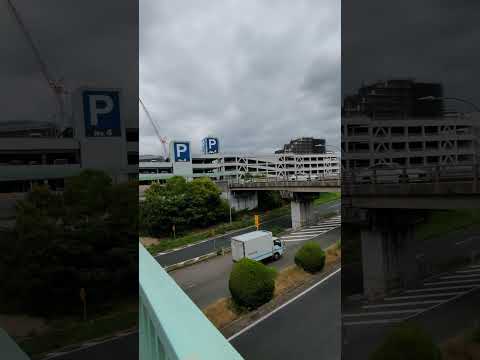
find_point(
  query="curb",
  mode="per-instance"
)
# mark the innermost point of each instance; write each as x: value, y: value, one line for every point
x: 196, y: 260
x: 92, y: 342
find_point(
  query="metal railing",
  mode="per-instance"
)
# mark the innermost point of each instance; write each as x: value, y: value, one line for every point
x: 285, y: 182
x: 433, y: 177
x: 9, y: 349
x: 171, y: 325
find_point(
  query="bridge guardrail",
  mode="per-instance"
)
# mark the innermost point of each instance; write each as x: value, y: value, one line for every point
x: 437, y: 177
x: 171, y: 325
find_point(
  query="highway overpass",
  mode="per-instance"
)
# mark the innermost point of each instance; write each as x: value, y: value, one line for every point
x: 388, y: 202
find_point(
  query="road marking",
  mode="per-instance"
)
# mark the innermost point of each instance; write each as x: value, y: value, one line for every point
x: 460, y: 276
x: 440, y: 288
x: 84, y: 346
x: 468, y: 271
x: 309, y: 236
x: 379, y: 313
x: 474, y: 266
x: 450, y: 282
x: 368, y: 322
x: 423, y: 296
x: 402, y: 304
x: 306, y: 232
x: 283, y: 305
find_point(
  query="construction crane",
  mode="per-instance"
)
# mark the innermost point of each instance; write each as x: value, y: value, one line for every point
x: 163, y: 139
x: 56, y: 85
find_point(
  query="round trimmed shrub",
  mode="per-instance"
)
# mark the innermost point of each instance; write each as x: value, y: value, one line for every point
x: 251, y: 283
x: 407, y: 341
x: 310, y: 257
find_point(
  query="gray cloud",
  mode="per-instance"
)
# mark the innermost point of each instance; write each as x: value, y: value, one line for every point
x: 253, y: 73
x: 87, y: 43
x: 427, y: 40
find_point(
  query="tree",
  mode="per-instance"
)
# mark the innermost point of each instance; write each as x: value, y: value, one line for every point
x: 85, y: 237
x: 187, y: 205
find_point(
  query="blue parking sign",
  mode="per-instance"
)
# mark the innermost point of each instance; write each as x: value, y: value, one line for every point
x: 181, y: 151
x: 210, y: 145
x: 101, y: 109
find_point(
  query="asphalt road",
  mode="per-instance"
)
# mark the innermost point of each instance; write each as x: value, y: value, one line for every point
x: 444, y: 305
x: 442, y: 322
x: 210, y: 245
x: 307, y: 328
x: 207, y: 281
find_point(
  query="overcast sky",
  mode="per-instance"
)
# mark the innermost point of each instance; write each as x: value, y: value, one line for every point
x: 430, y: 40
x: 254, y: 73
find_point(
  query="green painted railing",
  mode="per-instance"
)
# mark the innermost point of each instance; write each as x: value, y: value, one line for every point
x: 9, y: 349
x: 171, y: 325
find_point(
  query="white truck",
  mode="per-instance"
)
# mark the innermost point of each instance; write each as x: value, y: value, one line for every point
x: 256, y: 245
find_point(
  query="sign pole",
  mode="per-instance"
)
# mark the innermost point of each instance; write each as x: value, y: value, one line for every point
x: 83, y: 297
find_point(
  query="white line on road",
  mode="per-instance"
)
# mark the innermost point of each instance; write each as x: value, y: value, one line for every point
x: 451, y: 282
x: 283, y: 305
x: 379, y: 313
x: 423, y: 296
x: 460, y: 276
x: 309, y: 236
x: 403, y: 304
x: 369, y: 322
x: 469, y: 271
x: 440, y: 288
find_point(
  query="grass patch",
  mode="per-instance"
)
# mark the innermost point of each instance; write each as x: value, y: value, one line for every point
x: 75, y: 332
x: 222, y: 312
x: 443, y: 222
x: 326, y: 197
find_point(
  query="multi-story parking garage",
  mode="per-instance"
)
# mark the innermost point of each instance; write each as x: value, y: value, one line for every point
x: 237, y: 166
x: 34, y: 152
x: 409, y: 142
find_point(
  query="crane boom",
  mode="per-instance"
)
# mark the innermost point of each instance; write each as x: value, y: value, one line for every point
x: 163, y: 140
x: 56, y: 85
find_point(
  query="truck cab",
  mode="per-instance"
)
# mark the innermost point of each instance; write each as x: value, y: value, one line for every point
x: 257, y: 245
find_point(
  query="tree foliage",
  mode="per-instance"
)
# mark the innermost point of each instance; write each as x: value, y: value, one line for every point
x: 407, y: 341
x: 310, y: 257
x: 251, y: 283
x: 187, y: 205
x: 85, y: 237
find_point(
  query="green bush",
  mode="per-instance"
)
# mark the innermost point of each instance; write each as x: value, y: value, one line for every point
x: 310, y: 257
x: 407, y: 341
x: 251, y: 283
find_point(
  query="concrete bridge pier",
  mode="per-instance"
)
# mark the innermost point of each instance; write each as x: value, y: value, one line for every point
x: 302, y: 209
x: 241, y: 200
x: 388, y: 252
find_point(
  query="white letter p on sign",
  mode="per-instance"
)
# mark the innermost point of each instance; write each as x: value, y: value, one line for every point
x: 95, y: 111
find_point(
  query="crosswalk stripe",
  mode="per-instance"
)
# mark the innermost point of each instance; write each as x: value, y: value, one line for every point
x: 468, y: 271
x: 424, y: 296
x: 474, y: 266
x: 380, y: 313
x: 440, y: 288
x: 460, y: 276
x: 403, y: 304
x: 367, y: 322
x: 301, y: 236
x: 451, y: 282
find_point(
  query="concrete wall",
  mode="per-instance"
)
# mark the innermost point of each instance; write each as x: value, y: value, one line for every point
x: 244, y: 200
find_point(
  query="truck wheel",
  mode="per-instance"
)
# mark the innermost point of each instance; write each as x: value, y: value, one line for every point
x: 276, y: 256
